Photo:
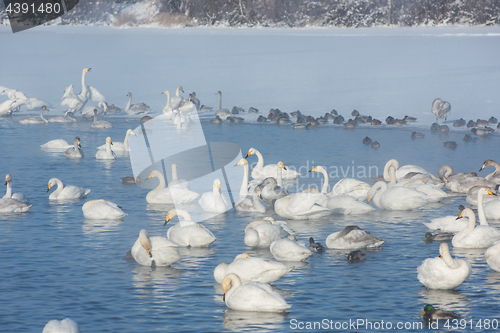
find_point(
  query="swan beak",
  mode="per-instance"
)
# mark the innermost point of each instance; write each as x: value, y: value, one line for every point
x: 133, y: 133
x: 166, y: 220
x: 149, y: 177
x: 6, y: 181
x: 440, y: 256
x: 368, y: 199
x: 50, y: 186
x: 87, y: 69
x: 490, y: 193
x: 239, y: 163
x: 460, y: 216
x: 111, y: 142
x: 224, y: 297
x: 249, y: 153
x: 313, y: 169
x: 423, y: 312
x: 481, y: 168
x: 284, y: 167
x: 218, y: 188
x: 149, y: 252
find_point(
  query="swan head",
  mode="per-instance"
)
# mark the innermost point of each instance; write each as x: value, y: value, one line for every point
x: 144, y: 240
x: 218, y: 93
x: 243, y: 161
x: 52, y: 183
x: 85, y: 70
x: 8, y: 179
x: 108, y: 140
x: 131, y: 132
x: 251, y: 151
x: 170, y: 215
x: 217, y: 184
x: 229, y: 281
x: 180, y: 88
x: 467, y: 212
x: 153, y: 173
x: 242, y: 256
x: 165, y: 92
x: 487, y: 163
x: 129, y: 94
x: 443, y: 248
x: 77, y: 142
x: 44, y: 108
x: 281, y: 165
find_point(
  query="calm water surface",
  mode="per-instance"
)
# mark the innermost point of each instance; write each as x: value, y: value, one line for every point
x: 56, y: 264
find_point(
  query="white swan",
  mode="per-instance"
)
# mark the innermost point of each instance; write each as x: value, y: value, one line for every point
x: 272, y: 188
x: 102, y: 210
x: 187, y: 106
x: 353, y: 187
x: 441, y: 109
x: 176, y: 182
x: 395, y: 198
x: 66, y: 325
x: 120, y: 146
x: 251, y: 205
x: 285, y: 249
x: 154, y: 251
x: 492, y: 256
x: 495, y: 175
x: 7, y: 107
x: 262, y: 233
x: 75, y: 151
x: 168, y: 108
x: 8, y: 193
x: 77, y: 102
x: 432, y: 193
x: 246, y: 187
x: 187, y: 232
x: 353, y: 238
x: 213, y: 201
x: 401, y: 172
x: 301, y: 206
x: 448, y: 223
x: 253, y: 296
x: 8, y: 205
x: 261, y: 172
x: 251, y: 269
x: 56, y: 144
x: 133, y: 109
x: 451, y: 179
x: 481, y: 193
x: 169, y: 195
x: 107, y: 154
x: 222, y: 113
x: 443, y: 272
x: 176, y: 100
x: 342, y: 203
x: 100, y: 123
x: 67, y: 118
x: 66, y: 192
x: 492, y: 210
x: 36, y: 120
x: 475, y: 237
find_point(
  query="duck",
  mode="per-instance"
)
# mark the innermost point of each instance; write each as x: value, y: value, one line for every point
x: 448, y: 223
x: 301, y: 206
x: 102, y: 210
x: 120, y: 146
x: 443, y: 272
x: 261, y: 172
x: 214, y: 202
x: 315, y: 247
x: 154, y: 251
x: 431, y: 314
x: 495, y: 175
x: 492, y: 256
x: 251, y: 269
x: 352, y: 238
x: 134, y: 109
x: 475, y: 237
x: 169, y: 195
x: 66, y: 192
x: 438, y: 237
x: 188, y: 233
x: 251, y: 205
x: 8, y: 193
x: 66, y: 325
x: 56, y: 144
x: 8, y: 205
x: 356, y: 255
x: 441, y: 109
x: 285, y: 249
x: 253, y: 296
x: 107, y: 154
x: 100, y: 123
x: 222, y: 113
x: 260, y: 234
x: 75, y: 151
x: 395, y: 198
x: 36, y: 120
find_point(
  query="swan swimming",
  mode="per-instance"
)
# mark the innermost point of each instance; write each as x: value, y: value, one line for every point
x: 9, y: 195
x: 222, y: 113
x: 246, y: 187
x: 107, y: 154
x: 120, y: 146
x: 66, y: 192
x: 75, y: 151
x: 100, y: 123
x: 395, y: 198
x: 56, y: 144
x: 475, y: 237
x: 262, y: 233
x: 8, y: 205
x: 214, y: 202
x: 154, y: 251
x: 187, y: 232
x: 448, y: 223
x: 272, y: 188
x: 401, y: 172
x: 251, y: 269
x: 169, y: 195
x: 66, y: 325
x: 352, y: 238
x: 102, y: 210
x: 495, y: 175
x: 36, y: 120
x: 251, y: 205
x: 492, y: 256
x: 134, y: 109
x: 443, y: 272
x: 451, y: 179
x: 301, y: 206
x: 253, y: 296
x: 67, y: 118
x: 261, y: 172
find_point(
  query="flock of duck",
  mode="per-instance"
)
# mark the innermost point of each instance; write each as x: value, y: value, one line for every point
x: 245, y: 281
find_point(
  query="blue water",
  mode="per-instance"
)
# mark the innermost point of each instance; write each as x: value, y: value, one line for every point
x: 56, y: 264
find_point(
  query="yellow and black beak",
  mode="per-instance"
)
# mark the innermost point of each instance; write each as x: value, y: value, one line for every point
x: 50, y: 186
x: 460, y: 216
x: 368, y: 199
x: 166, y: 220
x: 313, y: 169
x: 249, y: 153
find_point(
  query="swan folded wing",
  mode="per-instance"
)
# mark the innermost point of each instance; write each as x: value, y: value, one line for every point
x: 357, y: 239
x: 304, y: 203
x: 181, y: 195
x: 258, y: 269
x: 256, y: 296
x: 8, y: 205
x: 73, y: 192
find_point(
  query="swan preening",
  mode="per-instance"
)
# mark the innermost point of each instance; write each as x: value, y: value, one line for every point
x: 252, y: 296
x: 441, y: 109
x: 66, y: 192
x: 285, y: 249
x: 102, y: 210
x: 214, y: 202
x: 187, y: 232
x: 353, y: 238
x: 154, y: 251
x: 443, y: 272
x: 251, y: 269
x: 77, y: 102
x: 262, y: 233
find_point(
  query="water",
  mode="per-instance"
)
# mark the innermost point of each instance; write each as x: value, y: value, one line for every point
x: 56, y: 264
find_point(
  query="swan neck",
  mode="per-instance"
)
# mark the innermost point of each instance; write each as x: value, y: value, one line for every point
x: 174, y: 172
x: 380, y: 189
x: 235, y: 283
x: 160, y: 177
x: 220, y: 101
x: 60, y: 186
x: 168, y: 99
x: 326, y: 183
x: 108, y: 148
x: 8, y: 193
x: 392, y: 181
x: 125, y: 141
x: 83, y: 94
x: 260, y: 159
x: 244, y: 183
x: 450, y: 262
x: 127, y: 107
x: 480, y: 209
x: 185, y: 215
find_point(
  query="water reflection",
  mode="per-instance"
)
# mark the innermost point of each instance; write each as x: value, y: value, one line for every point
x: 257, y: 321
x: 471, y: 255
x: 92, y: 226
x: 154, y: 282
x: 449, y: 300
